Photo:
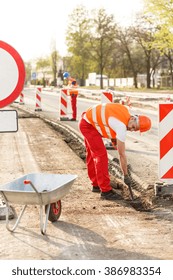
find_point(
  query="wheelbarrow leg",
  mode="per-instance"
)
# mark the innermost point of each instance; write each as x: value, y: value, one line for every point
x: 44, y: 225
x: 18, y: 219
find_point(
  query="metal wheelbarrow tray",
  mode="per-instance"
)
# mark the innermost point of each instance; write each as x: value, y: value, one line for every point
x: 37, y: 189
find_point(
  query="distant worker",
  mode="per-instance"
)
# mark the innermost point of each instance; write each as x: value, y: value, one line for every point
x: 73, y: 94
x: 108, y: 121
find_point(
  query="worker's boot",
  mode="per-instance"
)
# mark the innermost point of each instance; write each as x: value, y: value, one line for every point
x: 110, y: 195
x: 96, y: 189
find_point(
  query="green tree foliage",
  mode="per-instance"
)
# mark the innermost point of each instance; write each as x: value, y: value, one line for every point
x: 160, y: 12
x: 54, y: 58
x: 54, y: 61
x: 143, y: 33
x: 90, y: 40
x: 77, y: 41
x: 28, y: 69
x: 130, y: 53
x: 97, y: 44
x: 102, y: 39
x: 43, y: 64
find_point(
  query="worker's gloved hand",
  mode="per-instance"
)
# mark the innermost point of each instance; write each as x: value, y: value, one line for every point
x: 127, y: 180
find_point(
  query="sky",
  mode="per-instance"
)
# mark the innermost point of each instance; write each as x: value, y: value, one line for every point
x: 31, y: 26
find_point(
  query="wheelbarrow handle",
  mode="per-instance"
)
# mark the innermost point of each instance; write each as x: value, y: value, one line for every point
x: 26, y: 182
x: 29, y: 182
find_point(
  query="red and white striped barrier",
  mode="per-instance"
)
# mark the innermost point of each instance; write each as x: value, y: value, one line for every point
x: 168, y: 98
x: 122, y: 102
x: 166, y: 141
x: 63, y: 104
x: 21, y: 101
x: 38, y: 99
x: 128, y: 101
x: 107, y: 97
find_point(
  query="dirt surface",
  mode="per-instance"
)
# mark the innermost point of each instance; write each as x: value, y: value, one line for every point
x: 88, y: 228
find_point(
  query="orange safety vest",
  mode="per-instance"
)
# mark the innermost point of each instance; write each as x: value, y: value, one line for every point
x: 98, y: 116
x: 72, y: 83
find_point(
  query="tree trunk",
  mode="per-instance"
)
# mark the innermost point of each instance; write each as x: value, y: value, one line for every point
x: 101, y: 78
x: 171, y: 70
x: 148, y: 73
x: 135, y: 80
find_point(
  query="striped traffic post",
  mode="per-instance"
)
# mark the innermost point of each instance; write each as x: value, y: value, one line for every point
x: 63, y: 104
x: 38, y: 99
x: 166, y: 148
x: 168, y: 98
x: 107, y: 97
x: 21, y: 101
x: 128, y: 101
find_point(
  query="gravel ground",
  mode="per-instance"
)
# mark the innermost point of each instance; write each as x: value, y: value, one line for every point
x: 88, y: 228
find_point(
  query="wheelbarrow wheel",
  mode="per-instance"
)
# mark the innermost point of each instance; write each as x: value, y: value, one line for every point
x: 55, y: 211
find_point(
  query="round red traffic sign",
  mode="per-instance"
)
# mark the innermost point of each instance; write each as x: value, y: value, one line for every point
x: 12, y: 74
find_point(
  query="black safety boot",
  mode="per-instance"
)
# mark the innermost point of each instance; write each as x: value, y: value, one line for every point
x: 110, y: 195
x: 96, y: 189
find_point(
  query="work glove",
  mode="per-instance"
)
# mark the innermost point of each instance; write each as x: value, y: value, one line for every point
x: 127, y: 180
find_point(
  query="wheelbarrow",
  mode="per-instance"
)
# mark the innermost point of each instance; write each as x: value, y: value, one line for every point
x: 45, y: 190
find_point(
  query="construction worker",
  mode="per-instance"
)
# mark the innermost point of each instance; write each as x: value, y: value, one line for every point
x: 109, y: 120
x: 73, y: 92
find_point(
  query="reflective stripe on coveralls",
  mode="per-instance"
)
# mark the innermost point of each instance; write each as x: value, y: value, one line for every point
x: 98, y: 116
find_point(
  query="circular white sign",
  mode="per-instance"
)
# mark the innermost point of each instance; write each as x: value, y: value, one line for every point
x: 12, y: 74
